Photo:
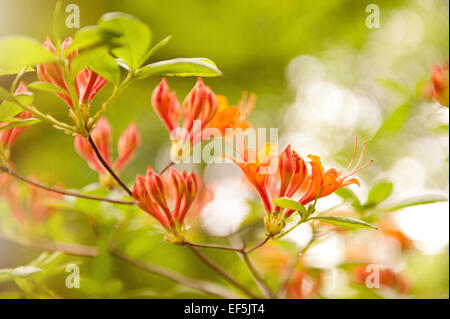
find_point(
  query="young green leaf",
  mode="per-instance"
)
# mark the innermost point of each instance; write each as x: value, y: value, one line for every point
x: 22, y: 271
x: 422, y: 200
x: 26, y: 98
x: 155, y: 48
x: 44, y: 86
x: 93, y: 37
x: 135, y: 37
x: 24, y: 122
x: 180, y: 67
x: 8, y: 109
x: 379, y: 193
x: 5, y: 95
x: 349, y: 196
x: 18, y: 51
x: 348, y: 222
x: 290, y: 204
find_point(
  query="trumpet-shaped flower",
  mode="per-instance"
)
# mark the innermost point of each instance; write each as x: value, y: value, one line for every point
x: 167, y: 199
x: 87, y: 82
x: 128, y: 143
x: 202, y: 115
x: 439, y: 80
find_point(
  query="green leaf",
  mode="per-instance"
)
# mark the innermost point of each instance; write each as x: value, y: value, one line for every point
x: 422, y: 200
x: 19, y: 123
x: 17, y: 52
x: 180, y: 67
x: 135, y: 37
x: 348, y: 222
x: 155, y: 48
x: 290, y: 204
x: 22, y: 271
x: 93, y: 37
x: 394, y: 122
x: 26, y: 98
x: 44, y: 86
x: 8, y: 109
x: 349, y: 196
x: 5, y: 95
x: 379, y: 193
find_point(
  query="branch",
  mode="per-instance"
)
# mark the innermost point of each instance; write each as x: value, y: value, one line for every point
x: 107, y: 167
x: 241, y: 250
x: 259, y: 280
x: 64, y: 192
x: 223, y: 273
x: 196, y: 284
x: 167, y: 167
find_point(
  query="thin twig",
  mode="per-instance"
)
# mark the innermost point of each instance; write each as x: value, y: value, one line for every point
x: 166, y: 167
x: 282, y: 290
x: 248, y: 251
x: 40, y: 244
x: 207, y: 287
x: 107, y: 167
x: 223, y: 273
x: 91, y: 251
x: 215, y: 246
x: 64, y: 192
x: 259, y: 280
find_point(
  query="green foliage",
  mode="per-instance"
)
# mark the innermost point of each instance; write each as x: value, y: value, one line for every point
x: 180, y: 67
x: 347, y: 222
x: 17, y: 52
x: 378, y: 193
x: 291, y: 204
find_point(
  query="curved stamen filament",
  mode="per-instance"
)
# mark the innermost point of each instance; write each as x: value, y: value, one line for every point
x: 357, y: 170
x: 354, y: 154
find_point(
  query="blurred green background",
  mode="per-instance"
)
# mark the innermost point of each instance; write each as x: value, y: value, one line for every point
x: 255, y: 43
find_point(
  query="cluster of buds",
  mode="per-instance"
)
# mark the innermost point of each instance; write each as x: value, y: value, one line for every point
x: 293, y: 178
x: 8, y: 136
x: 87, y: 83
x: 168, y: 199
x: 204, y: 115
x: 437, y: 87
x: 101, y: 135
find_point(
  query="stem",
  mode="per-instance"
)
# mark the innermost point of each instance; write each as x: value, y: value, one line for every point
x: 117, y: 90
x: 91, y: 251
x: 196, y: 284
x: 107, y: 167
x: 64, y: 192
x: 38, y: 244
x: 166, y: 168
x: 223, y: 273
x: 282, y: 290
x: 261, y: 283
x: 215, y: 246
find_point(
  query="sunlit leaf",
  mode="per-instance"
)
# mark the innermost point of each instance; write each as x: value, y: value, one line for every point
x: 18, y: 51
x: 348, y: 222
x: 135, y: 37
x: 20, y: 123
x: 44, y: 86
x: 8, y: 109
x: 155, y: 48
x: 5, y: 95
x: 379, y: 193
x: 290, y: 204
x: 422, y: 200
x: 349, y: 196
x: 180, y: 67
x: 22, y: 271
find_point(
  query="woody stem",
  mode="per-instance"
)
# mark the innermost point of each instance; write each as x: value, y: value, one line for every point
x: 222, y: 272
x: 166, y: 168
x: 107, y: 167
x: 63, y: 192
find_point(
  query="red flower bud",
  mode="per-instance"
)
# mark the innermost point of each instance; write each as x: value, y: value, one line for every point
x: 128, y: 142
x: 166, y: 105
x: 439, y: 80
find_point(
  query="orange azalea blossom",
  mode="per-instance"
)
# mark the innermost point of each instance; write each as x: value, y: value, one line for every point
x: 201, y: 104
x: 8, y: 136
x: 294, y: 178
x: 439, y: 80
x: 152, y: 194
x: 128, y: 143
x: 87, y: 82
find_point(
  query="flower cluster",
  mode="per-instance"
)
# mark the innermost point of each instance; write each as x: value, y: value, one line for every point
x: 101, y: 135
x: 203, y: 115
x: 288, y: 175
x: 168, y: 199
x: 437, y: 87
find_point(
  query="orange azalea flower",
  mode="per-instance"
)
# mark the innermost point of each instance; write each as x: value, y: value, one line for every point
x: 128, y: 142
x: 439, y: 80
x: 201, y: 104
x: 152, y: 194
x: 87, y: 82
x: 8, y: 136
x: 291, y: 179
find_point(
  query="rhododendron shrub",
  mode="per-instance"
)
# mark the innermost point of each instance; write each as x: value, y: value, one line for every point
x: 137, y: 208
